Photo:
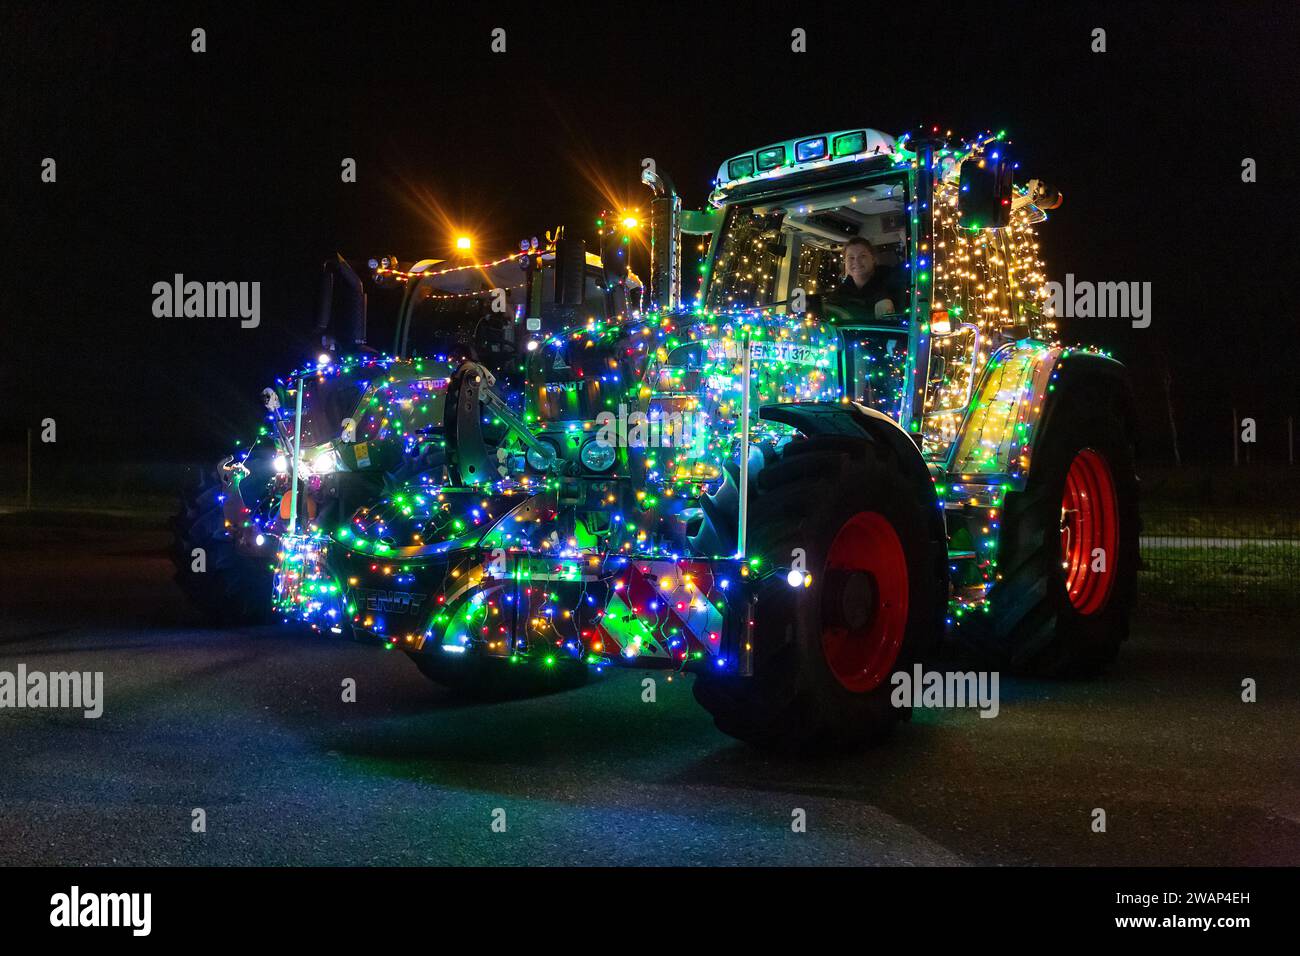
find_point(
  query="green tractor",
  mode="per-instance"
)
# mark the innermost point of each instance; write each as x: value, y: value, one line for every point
x: 340, y: 430
x: 794, y: 486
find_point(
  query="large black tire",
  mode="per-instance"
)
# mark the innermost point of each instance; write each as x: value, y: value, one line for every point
x: 235, y: 588
x: 810, y: 493
x: 477, y: 677
x: 1036, y: 628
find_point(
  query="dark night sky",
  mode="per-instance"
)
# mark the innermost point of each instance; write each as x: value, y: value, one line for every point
x: 225, y: 166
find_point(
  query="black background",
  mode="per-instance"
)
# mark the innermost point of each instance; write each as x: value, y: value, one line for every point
x: 238, y: 905
x: 225, y: 166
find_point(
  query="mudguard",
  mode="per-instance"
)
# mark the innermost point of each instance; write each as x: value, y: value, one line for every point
x: 836, y: 418
x: 1013, y: 405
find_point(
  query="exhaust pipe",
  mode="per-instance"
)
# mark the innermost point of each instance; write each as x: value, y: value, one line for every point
x: 356, y: 301
x: 665, y: 241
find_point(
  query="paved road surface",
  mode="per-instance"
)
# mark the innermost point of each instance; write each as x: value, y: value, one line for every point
x: 249, y: 725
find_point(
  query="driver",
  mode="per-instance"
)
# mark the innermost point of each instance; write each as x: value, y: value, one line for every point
x: 867, y: 281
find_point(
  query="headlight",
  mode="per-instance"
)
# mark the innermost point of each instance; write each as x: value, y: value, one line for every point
x: 325, y: 462
x: 597, y: 456
x: 541, y: 458
x: 281, y: 464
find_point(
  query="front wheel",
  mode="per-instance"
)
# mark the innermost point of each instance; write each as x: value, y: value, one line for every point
x: 866, y: 532
x: 228, y: 586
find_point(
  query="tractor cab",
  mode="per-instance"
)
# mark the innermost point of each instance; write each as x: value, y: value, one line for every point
x: 956, y: 274
x: 790, y: 211
x: 784, y: 234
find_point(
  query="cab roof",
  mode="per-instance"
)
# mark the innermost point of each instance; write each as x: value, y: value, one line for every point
x: 801, y: 153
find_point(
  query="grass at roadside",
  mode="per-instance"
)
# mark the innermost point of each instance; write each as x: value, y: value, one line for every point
x: 1220, y: 523
x: 1243, y: 576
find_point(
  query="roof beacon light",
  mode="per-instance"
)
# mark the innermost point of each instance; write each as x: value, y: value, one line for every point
x: 740, y: 167
x: 807, y: 150
x: 771, y: 158
x: 850, y: 143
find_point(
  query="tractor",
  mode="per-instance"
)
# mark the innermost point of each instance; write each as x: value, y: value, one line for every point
x: 788, y: 491
x: 356, y: 420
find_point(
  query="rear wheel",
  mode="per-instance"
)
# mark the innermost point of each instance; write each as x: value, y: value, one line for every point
x: 824, y: 652
x: 231, y: 588
x: 1068, y: 553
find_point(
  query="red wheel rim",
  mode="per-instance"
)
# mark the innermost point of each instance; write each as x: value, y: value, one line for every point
x: 864, y: 602
x: 1089, y: 531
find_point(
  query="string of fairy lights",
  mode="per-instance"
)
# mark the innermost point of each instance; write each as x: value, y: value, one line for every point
x: 622, y: 578
x: 428, y: 520
x: 992, y: 285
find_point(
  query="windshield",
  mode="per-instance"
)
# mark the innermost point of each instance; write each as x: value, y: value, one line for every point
x: 768, y: 249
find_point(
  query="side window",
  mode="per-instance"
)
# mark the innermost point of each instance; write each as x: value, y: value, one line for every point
x: 952, y: 369
x: 999, y: 269
x: 970, y: 268
x: 748, y: 260
x: 695, y: 257
x: 972, y: 281
x: 819, y: 269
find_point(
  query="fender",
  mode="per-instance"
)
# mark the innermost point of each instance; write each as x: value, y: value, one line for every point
x: 1013, y: 404
x: 836, y: 418
x: 1074, y: 366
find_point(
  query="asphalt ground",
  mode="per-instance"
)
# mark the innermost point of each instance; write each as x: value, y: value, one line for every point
x: 249, y: 726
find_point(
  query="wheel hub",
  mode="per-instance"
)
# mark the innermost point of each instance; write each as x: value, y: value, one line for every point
x: 1089, y: 531
x: 859, y: 598
x: 864, y: 602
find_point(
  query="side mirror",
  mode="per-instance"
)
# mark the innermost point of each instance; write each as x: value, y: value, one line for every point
x: 984, y: 193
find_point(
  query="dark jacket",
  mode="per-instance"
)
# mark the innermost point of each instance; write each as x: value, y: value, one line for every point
x: 885, y: 283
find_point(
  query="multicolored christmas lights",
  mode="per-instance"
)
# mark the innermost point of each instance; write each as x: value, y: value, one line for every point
x: 548, y: 560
